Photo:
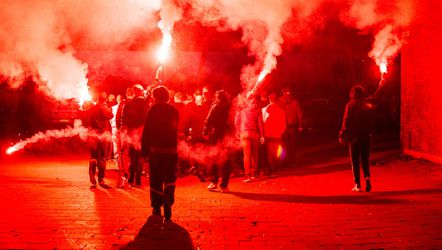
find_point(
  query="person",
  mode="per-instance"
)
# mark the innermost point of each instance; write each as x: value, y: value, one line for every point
x: 100, y: 150
x: 123, y: 146
x: 262, y: 149
x: 215, y: 129
x: 274, y: 126
x: 113, y: 122
x: 159, y: 144
x: 356, y: 131
x: 249, y: 126
x: 193, y: 117
x: 134, y: 114
x: 293, y: 113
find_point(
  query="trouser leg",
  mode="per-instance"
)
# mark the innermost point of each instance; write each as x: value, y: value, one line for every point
x: 138, y: 166
x: 132, y: 165
x: 155, y: 182
x: 101, y: 168
x: 254, y: 156
x: 247, y: 151
x: 225, y: 173
x: 272, y: 155
x: 214, y: 173
x: 365, y: 157
x: 355, y: 156
x: 170, y: 167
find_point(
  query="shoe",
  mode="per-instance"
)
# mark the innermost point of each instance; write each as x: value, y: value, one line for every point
x: 225, y: 190
x: 356, y: 188
x: 211, y: 186
x: 247, y: 180
x: 122, y: 183
x: 156, y: 211
x: 167, y: 212
x: 101, y: 181
x: 367, y: 185
x: 92, y: 178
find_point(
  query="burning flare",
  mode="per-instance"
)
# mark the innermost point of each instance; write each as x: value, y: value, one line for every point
x: 83, y: 96
x: 383, y: 68
x: 261, y: 77
x: 163, y: 52
x: 14, y: 148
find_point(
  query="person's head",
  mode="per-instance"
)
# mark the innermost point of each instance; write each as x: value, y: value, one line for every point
x: 102, y: 97
x: 357, y: 92
x: 287, y: 94
x: 130, y: 93
x: 221, y: 96
x: 273, y: 97
x: 138, y: 90
x: 119, y: 98
x: 178, y: 97
x: 160, y: 94
x: 111, y: 98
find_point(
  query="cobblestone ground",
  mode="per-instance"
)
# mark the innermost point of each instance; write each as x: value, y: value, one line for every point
x: 48, y: 203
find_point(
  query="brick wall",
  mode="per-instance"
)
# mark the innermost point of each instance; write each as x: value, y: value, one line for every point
x: 421, y: 90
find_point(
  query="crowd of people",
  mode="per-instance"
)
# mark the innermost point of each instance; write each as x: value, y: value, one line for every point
x: 148, y: 125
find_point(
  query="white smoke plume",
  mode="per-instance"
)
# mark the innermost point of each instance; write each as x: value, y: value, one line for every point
x: 209, y: 154
x: 386, y: 19
x: 40, y: 37
x: 260, y: 21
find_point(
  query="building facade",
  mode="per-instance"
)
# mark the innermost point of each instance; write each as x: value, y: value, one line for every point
x: 421, y: 89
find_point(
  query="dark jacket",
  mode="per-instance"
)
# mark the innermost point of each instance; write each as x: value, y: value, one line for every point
x: 134, y: 113
x: 358, y: 120
x: 99, y: 117
x: 193, y: 118
x: 160, y: 132
x: 215, y: 125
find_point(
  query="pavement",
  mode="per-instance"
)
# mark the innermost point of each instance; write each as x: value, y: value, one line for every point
x: 48, y: 203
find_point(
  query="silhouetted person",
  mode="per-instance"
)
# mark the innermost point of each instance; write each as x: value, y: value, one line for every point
x: 356, y: 131
x: 193, y: 119
x: 99, y: 117
x: 215, y: 128
x: 159, y: 145
x: 134, y: 114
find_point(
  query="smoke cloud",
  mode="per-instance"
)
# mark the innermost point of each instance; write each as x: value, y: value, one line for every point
x: 40, y: 37
x: 383, y: 18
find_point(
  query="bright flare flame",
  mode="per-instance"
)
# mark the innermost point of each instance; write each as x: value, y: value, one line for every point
x: 84, y: 96
x: 262, y: 75
x: 12, y: 150
x: 163, y: 52
x: 383, y: 68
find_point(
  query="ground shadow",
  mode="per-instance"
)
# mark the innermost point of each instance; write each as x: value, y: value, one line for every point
x: 378, y: 198
x: 158, y: 235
